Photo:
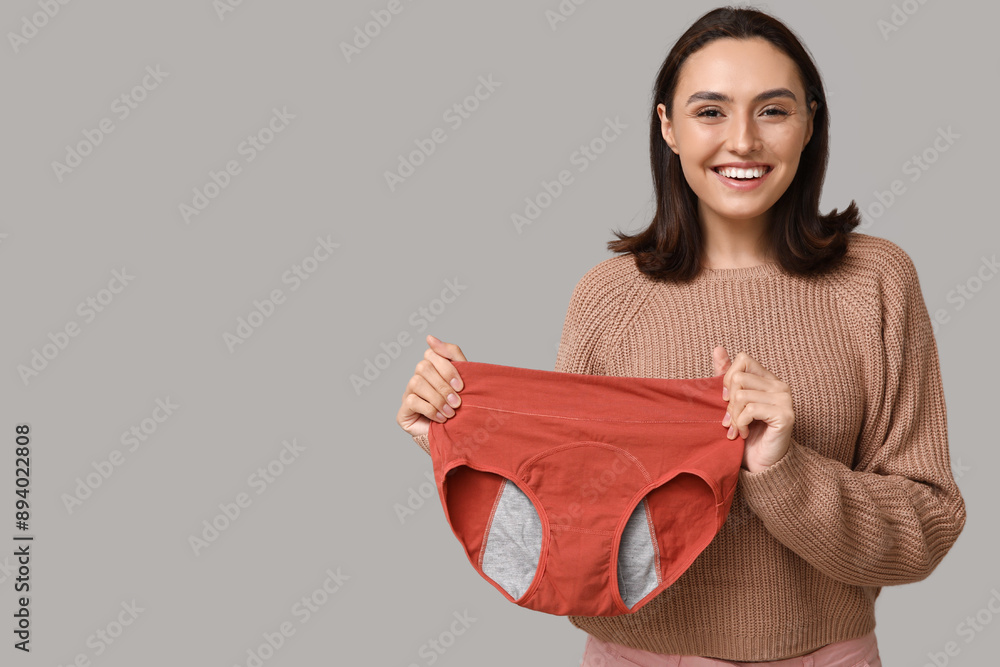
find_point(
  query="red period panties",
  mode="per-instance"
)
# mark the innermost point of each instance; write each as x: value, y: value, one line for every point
x: 584, y: 495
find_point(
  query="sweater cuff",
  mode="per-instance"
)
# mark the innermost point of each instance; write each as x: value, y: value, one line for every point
x: 423, y: 441
x: 783, y: 479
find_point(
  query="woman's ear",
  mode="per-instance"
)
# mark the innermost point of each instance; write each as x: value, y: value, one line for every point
x: 666, y: 127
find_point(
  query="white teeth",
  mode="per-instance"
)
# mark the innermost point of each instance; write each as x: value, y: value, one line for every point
x: 754, y: 172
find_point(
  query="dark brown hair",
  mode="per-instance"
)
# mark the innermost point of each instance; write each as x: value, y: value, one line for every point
x: 803, y: 241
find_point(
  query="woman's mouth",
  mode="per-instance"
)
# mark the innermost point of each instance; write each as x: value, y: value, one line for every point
x: 742, y: 179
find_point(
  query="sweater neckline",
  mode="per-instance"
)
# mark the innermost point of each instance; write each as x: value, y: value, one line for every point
x: 742, y: 273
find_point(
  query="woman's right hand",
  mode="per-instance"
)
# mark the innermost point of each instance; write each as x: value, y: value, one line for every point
x: 432, y: 392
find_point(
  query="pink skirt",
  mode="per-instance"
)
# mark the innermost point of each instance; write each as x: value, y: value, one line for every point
x: 860, y: 652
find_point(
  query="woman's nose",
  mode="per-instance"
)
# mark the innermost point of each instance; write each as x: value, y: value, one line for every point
x: 744, y: 136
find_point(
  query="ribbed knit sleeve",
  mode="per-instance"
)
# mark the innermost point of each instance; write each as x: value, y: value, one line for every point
x: 424, y: 442
x: 892, y: 516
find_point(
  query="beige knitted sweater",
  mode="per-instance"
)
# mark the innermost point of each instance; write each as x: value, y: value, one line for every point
x: 865, y: 496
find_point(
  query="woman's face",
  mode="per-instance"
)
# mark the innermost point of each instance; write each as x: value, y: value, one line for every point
x: 734, y: 104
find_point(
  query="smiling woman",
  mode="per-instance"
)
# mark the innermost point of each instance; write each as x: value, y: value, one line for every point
x: 773, y: 125
x: 844, y: 485
x: 738, y: 149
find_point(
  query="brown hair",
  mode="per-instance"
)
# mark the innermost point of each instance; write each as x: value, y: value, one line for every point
x: 803, y: 241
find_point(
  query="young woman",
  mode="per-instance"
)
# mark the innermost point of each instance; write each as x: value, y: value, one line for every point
x: 835, y: 386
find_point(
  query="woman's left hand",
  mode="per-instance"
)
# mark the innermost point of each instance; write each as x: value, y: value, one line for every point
x: 760, y: 408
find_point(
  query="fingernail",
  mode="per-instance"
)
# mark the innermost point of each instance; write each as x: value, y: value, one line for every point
x: 441, y: 417
x: 456, y: 384
x: 452, y: 400
x: 725, y: 393
x: 732, y: 432
x: 448, y: 411
x: 725, y: 420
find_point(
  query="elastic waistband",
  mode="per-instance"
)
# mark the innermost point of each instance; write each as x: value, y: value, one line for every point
x: 594, y: 397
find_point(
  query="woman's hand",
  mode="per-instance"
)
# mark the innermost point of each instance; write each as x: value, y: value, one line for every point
x: 432, y: 392
x: 760, y: 408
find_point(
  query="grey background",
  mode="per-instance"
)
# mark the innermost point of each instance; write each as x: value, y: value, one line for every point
x: 335, y: 505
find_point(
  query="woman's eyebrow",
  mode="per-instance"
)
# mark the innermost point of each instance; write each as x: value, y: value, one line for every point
x: 713, y: 96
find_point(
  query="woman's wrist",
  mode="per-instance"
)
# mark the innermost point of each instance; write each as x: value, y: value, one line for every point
x: 753, y: 467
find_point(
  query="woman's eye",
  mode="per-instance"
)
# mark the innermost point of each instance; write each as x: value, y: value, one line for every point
x: 714, y: 113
